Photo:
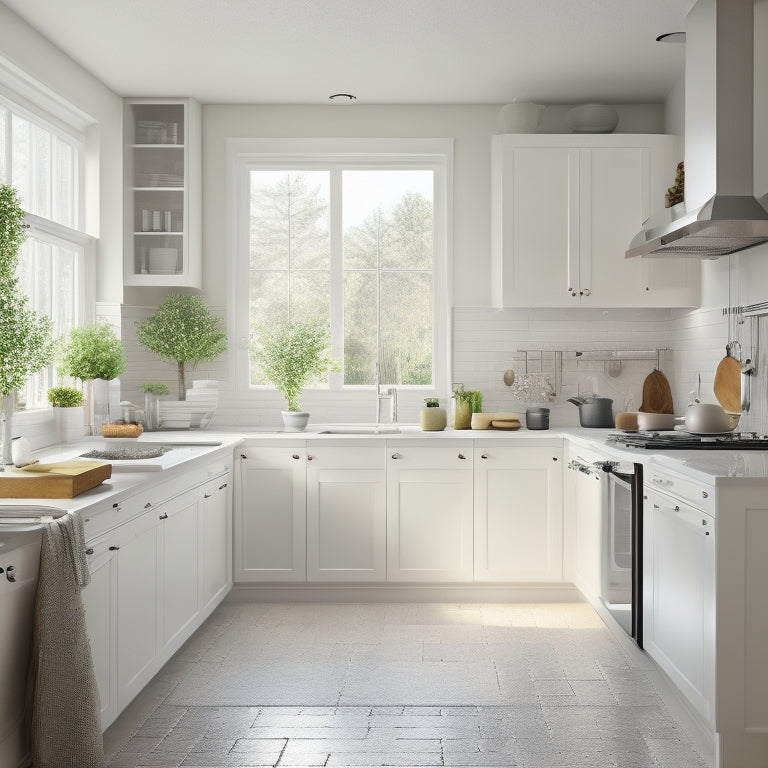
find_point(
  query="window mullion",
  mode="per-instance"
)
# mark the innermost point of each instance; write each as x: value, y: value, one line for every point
x: 337, y: 270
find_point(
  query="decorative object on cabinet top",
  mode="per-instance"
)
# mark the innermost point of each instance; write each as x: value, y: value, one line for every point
x: 592, y: 118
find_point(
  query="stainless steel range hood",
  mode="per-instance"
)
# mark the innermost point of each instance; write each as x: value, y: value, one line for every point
x: 721, y: 215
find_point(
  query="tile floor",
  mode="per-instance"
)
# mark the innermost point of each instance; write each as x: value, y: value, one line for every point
x: 528, y: 685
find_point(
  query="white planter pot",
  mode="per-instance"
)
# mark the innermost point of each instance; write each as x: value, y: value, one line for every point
x: 295, y: 421
x: 70, y: 423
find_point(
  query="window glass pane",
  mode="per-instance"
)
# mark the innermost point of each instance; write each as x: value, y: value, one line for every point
x: 360, y: 327
x: 406, y: 329
x: 63, y: 178
x: 40, y: 197
x: 289, y: 220
x: 20, y: 157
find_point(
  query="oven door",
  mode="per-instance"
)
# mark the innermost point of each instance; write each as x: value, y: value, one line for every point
x: 621, y: 588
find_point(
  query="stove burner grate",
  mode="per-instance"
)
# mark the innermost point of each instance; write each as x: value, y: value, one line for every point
x: 684, y: 440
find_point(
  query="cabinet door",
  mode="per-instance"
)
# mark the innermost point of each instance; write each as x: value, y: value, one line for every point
x: 429, y: 512
x: 530, y: 226
x: 100, y: 604
x: 679, y: 596
x: 270, y: 525
x: 346, y: 513
x: 215, y: 539
x: 137, y: 605
x: 181, y: 567
x: 587, y: 501
x: 518, y: 513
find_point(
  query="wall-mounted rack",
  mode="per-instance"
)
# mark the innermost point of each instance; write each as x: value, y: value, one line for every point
x: 749, y: 310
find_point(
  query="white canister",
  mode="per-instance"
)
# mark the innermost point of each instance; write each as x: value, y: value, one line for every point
x: 21, y: 451
x: 520, y: 117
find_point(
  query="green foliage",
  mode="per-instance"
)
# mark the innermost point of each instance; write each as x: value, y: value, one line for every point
x: 25, y: 335
x: 182, y: 329
x: 472, y: 397
x: 291, y: 354
x: 155, y: 389
x: 432, y: 402
x: 93, y: 352
x: 65, y: 397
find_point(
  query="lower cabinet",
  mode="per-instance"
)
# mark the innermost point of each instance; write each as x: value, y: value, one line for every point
x: 153, y: 581
x: 518, y: 512
x: 429, y: 511
x: 679, y: 596
x: 271, y: 520
x: 346, y: 512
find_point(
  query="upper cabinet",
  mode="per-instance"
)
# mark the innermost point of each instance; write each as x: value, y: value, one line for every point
x: 564, y: 209
x: 163, y: 193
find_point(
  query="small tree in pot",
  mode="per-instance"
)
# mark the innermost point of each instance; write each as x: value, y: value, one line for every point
x: 291, y: 355
x: 182, y: 330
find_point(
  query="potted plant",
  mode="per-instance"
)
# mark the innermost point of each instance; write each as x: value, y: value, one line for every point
x: 292, y: 354
x: 152, y: 393
x: 26, y: 345
x: 468, y: 401
x: 94, y: 354
x: 68, y: 412
x: 182, y: 330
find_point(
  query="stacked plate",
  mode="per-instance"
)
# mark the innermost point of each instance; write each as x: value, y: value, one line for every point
x: 162, y: 261
x: 195, y: 412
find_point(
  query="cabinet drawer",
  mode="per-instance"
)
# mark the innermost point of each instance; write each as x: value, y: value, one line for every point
x: 457, y: 456
x: 690, y: 491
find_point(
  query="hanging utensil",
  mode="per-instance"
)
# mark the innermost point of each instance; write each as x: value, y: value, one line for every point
x: 748, y: 367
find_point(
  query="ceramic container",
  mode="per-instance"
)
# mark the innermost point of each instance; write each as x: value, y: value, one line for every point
x: 520, y: 117
x: 592, y: 118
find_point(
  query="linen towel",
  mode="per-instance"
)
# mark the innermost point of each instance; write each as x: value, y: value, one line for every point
x: 62, y: 703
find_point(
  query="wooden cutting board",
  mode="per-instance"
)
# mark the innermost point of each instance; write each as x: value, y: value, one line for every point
x: 60, y: 480
x: 727, y: 384
x: 657, y: 394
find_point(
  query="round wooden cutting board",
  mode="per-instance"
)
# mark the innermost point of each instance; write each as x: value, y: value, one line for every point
x: 727, y: 384
x: 657, y: 394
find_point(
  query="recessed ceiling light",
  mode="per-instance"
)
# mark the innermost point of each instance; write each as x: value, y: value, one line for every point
x: 342, y: 97
x: 671, y: 37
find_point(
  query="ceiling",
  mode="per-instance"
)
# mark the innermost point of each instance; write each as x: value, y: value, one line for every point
x: 383, y: 51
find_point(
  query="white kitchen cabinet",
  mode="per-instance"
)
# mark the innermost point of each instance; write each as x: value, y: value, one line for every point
x: 154, y: 577
x: 518, y: 511
x: 138, y: 606
x: 100, y: 604
x: 181, y: 567
x: 271, y: 515
x: 679, y: 551
x: 346, y: 512
x: 429, y: 511
x: 564, y: 209
x: 163, y: 192
x: 216, y: 535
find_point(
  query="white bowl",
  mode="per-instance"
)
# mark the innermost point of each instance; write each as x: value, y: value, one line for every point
x: 162, y: 261
x: 592, y: 118
x: 519, y: 117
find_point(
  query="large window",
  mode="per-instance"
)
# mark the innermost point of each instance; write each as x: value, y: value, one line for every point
x: 43, y: 159
x: 355, y: 241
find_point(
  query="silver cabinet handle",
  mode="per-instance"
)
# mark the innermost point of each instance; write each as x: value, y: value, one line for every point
x: 243, y: 456
x: 483, y: 455
x: 462, y: 456
x: 164, y: 516
x: 222, y: 486
x: 704, y: 495
x: 206, y: 495
x: 10, y: 573
x: 89, y: 551
x: 113, y: 548
x: 148, y: 505
x: 295, y: 456
x: 396, y: 456
x: 310, y: 457
x: 587, y: 292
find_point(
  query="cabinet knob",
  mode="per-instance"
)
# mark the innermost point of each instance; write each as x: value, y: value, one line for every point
x: 295, y: 456
x: 113, y: 549
x: 164, y: 516
x: 396, y: 456
x: 483, y: 455
x: 10, y: 573
x: 206, y: 495
x: 222, y: 486
x: 704, y: 495
x: 573, y: 293
x: 243, y: 456
x: 148, y: 505
x: 554, y: 458
x: 587, y: 292
x: 310, y: 457
x: 116, y: 506
x: 462, y: 456
x: 89, y: 551
x: 677, y: 508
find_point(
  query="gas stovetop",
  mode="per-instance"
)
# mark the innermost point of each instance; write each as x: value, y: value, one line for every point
x: 687, y: 441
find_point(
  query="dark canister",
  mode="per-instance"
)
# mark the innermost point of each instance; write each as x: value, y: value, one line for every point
x: 537, y: 418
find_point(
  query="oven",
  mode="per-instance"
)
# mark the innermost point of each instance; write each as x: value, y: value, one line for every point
x: 609, y: 530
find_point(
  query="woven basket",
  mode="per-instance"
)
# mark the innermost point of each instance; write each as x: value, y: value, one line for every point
x: 121, y: 430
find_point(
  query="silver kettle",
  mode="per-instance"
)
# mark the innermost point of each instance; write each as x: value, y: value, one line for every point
x: 594, y: 411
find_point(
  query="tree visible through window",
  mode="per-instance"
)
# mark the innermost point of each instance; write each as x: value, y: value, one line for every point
x: 362, y: 264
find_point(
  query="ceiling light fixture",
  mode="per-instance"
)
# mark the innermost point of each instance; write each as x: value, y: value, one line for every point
x: 671, y: 37
x: 342, y: 97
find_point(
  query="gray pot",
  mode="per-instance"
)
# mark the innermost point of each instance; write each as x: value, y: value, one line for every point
x: 594, y: 411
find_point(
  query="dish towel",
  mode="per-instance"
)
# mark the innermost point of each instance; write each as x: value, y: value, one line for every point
x: 62, y: 703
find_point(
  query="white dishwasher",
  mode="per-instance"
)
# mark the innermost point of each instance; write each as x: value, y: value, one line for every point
x: 20, y: 533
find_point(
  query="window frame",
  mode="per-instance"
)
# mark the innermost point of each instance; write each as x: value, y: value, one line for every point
x: 244, y: 155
